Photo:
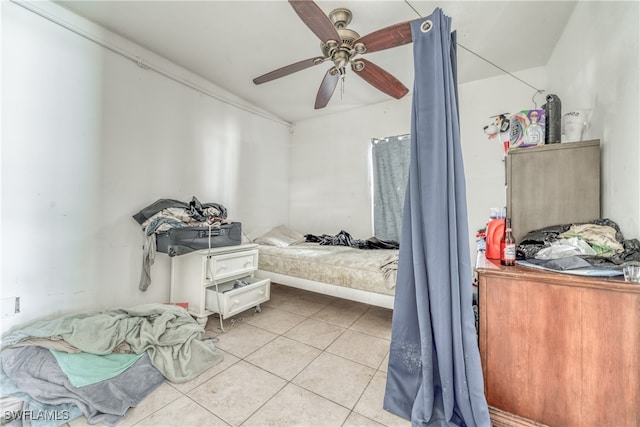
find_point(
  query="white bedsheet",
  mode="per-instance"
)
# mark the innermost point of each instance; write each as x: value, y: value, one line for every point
x: 371, y: 270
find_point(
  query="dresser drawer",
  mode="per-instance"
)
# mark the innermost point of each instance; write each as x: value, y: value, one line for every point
x: 229, y: 301
x: 234, y: 264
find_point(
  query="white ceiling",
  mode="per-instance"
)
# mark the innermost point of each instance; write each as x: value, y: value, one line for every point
x: 231, y: 42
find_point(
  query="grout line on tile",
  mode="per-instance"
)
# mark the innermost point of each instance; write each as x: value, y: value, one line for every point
x: 360, y: 415
x: 266, y: 401
x: 381, y: 363
x: 302, y: 370
x: 212, y: 413
x: 348, y: 360
x: 157, y: 410
x: 242, y: 322
x: 363, y: 392
x: 334, y: 340
x: 323, y: 397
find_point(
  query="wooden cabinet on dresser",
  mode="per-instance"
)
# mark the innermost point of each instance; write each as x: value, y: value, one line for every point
x: 559, y: 349
x: 553, y: 184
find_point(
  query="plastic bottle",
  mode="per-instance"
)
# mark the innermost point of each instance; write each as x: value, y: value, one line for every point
x: 495, y: 230
x: 508, y: 246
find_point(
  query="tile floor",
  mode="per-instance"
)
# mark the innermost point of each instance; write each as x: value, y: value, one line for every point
x: 305, y: 360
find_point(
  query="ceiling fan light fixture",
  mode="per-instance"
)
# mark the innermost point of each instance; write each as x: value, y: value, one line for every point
x: 341, y: 59
x: 357, y: 66
x: 330, y: 44
x: 329, y: 48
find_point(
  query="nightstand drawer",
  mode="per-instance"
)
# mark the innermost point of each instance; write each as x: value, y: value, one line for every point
x: 235, y: 264
x: 229, y: 300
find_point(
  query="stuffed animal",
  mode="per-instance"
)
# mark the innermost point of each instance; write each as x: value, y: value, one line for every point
x: 499, y: 125
x: 499, y: 128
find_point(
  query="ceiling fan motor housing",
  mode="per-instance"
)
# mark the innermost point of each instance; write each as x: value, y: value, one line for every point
x: 340, y: 17
x: 341, y: 51
x: 347, y: 37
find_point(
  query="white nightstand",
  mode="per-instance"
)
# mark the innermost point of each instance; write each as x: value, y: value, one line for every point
x: 218, y: 280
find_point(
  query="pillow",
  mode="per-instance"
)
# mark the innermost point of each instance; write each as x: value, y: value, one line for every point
x: 280, y: 236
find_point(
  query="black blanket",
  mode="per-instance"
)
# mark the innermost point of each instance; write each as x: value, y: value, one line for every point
x: 345, y: 239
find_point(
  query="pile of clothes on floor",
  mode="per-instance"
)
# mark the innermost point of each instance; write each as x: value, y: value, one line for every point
x: 98, y: 365
x: 595, y: 245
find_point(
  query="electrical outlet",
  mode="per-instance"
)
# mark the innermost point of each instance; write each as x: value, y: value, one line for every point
x: 10, y: 306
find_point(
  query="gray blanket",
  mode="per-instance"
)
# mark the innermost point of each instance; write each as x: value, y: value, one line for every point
x: 169, y: 335
x: 36, y: 372
x: 12, y: 393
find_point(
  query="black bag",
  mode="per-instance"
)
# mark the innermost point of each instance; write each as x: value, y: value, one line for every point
x: 182, y: 240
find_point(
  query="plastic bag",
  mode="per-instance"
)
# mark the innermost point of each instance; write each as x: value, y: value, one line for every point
x: 562, y: 248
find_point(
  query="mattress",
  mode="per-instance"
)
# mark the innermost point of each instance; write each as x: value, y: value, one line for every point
x: 371, y: 270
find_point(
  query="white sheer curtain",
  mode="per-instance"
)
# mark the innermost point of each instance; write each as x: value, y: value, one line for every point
x: 390, y: 164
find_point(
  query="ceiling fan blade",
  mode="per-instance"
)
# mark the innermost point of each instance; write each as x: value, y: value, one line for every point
x: 379, y: 78
x: 289, y: 69
x: 386, y: 38
x: 315, y: 19
x: 327, y: 87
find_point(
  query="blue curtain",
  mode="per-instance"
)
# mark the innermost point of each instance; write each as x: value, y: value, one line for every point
x: 435, y: 376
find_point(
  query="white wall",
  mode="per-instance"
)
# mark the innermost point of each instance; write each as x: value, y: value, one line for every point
x: 330, y: 187
x: 330, y: 183
x: 88, y: 139
x: 484, y: 164
x: 592, y: 66
x: 595, y: 65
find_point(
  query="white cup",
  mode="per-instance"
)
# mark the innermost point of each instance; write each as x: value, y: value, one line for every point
x: 574, y: 124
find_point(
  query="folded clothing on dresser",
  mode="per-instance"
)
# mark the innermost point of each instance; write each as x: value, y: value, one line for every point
x: 595, y: 245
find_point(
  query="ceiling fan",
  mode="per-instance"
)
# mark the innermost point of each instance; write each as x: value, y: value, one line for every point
x: 341, y: 45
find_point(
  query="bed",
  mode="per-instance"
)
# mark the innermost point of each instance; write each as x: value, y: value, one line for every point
x: 363, y: 275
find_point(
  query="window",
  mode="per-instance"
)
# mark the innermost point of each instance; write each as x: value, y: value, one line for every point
x: 390, y: 173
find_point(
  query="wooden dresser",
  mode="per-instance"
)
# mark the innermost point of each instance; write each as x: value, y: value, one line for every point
x: 207, y: 280
x: 558, y: 349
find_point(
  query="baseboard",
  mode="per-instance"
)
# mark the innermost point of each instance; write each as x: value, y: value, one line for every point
x: 501, y: 418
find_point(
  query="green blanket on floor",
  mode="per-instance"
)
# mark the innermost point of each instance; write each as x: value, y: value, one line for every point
x: 170, y: 336
x: 85, y: 368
